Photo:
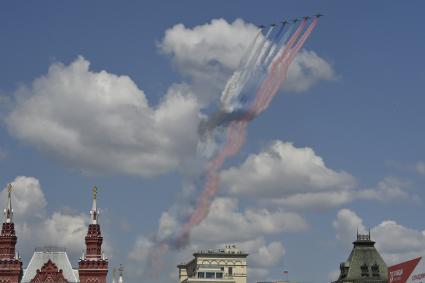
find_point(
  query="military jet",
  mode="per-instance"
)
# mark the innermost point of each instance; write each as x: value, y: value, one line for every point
x: 261, y: 26
x: 318, y: 15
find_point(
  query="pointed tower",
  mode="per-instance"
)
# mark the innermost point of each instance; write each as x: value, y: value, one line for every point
x: 93, y: 266
x: 10, y: 263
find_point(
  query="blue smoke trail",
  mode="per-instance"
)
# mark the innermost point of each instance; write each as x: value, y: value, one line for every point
x: 280, y: 43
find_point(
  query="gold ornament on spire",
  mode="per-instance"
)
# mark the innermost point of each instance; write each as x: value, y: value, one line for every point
x: 94, y: 192
x: 9, y: 188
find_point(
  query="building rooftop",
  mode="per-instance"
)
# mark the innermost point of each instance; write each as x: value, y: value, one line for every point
x: 58, y: 256
x: 364, y: 263
x: 228, y: 250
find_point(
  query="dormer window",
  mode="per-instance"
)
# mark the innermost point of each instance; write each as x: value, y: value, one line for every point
x: 375, y: 270
x: 365, y: 270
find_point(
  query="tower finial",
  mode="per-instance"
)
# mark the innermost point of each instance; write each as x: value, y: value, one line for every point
x: 94, y: 212
x: 94, y: 192
x: 8, y: 212
x: 121, y: 270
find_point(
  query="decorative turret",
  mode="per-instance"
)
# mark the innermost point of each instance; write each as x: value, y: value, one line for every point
x: 10, y: 263
x: 93, y: 266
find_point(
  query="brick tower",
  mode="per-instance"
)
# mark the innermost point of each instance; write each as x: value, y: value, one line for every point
x: 10, y: 263
x: 93, y: 266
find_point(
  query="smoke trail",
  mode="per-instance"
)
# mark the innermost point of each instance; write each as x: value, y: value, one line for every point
x: 266, y: 87
x: 280, y: 44
x: 272, y: 45
x: 284, y: 65
x: 236, y: 130
x: 235, y: 86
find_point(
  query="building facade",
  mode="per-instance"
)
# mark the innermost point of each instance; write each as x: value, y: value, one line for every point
x: 364, y: 265
x: 52, y: 264
x: 226, y: 265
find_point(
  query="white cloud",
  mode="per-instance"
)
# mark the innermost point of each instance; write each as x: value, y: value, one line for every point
x: 63, y: 230
x: 347, y: 224
x: 394, y: 241
x: 224, y: 213
x: 263, y: 254
x: 102, y: 123
x: 397, y: 242
x: 281, y: 170
x: 246, y: 225
x: 420, y: 167
x: 297, y: 178
x: 28, y: 200
x: 307, y: 70
x: 209, y: 53
x: 314, y: 201
x: 141, y: 249
x: 389, y: 189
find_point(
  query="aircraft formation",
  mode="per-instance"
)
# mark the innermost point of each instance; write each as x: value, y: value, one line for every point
x: 284, y: 22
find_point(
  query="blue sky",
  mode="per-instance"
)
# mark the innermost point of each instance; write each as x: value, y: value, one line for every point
x: 364, y: 120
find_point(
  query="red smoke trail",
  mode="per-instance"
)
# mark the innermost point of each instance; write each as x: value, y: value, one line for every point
x: 237, y: 129
x: 286, y: 63
x: 267, y: 84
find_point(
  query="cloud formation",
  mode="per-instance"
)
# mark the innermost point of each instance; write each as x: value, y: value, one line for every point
x: 347, y: 224
x: 282, y: 169
x: 420, y: 168
x: 246, y: 225
x: 102, y: 123
x: 298, y: 178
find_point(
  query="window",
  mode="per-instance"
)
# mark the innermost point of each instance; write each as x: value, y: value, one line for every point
x: 365, y: 270
x: 222, y: 268
x: 375, y: 270
x: 201, y: 274
x: 230, y: 270
x: 209, y: 275
x: 219, y: 275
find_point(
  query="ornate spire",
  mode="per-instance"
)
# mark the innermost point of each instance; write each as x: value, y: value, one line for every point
x: 8, y: 212
x: 10, y: 263
x: 121, y: 270
x: 93, y: 267
x: 114, y: 275
x: 94, y: 212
